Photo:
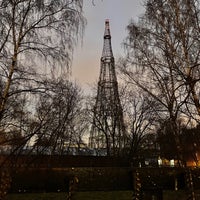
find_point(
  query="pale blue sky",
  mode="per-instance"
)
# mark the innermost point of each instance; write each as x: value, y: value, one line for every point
x: 86, y: 64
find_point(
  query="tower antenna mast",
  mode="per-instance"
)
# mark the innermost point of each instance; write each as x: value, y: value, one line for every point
x: 108, y: 130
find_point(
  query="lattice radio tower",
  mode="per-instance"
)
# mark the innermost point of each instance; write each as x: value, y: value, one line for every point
x: 108, y: 131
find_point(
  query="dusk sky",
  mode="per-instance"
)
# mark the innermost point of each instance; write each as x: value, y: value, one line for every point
x: 86, y: 63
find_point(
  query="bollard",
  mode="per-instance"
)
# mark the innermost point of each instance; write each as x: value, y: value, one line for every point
x: 136, y: 186
x: 190, y: 185
x: 5, y: 182
x: 72, y: 187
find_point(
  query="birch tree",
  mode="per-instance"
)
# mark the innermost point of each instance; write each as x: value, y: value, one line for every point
x: 163, y: 58
x: 34, y: 33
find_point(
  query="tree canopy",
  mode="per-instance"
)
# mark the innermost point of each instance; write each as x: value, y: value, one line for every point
x: 35, y: 32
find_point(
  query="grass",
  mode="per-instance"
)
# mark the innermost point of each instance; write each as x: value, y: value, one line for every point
x: 117, y: 195
x: 37, y: 196
x: 94, y: 195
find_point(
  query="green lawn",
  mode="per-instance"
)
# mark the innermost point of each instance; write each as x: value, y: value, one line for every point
x: 97, y: 195
x: 37, y: 196
x: 117, y: 195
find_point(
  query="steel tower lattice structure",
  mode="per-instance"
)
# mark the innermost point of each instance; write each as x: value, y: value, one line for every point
x: 108, y: 131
